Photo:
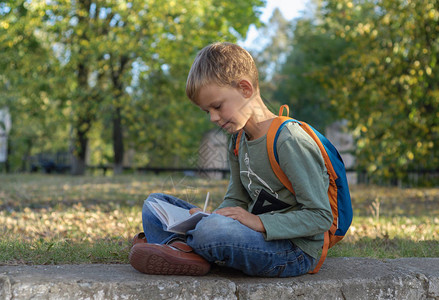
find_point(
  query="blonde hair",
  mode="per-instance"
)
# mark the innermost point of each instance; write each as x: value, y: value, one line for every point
x: 223, y: 64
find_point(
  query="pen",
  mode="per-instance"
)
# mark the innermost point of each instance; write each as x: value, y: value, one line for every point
x: 207, y: 201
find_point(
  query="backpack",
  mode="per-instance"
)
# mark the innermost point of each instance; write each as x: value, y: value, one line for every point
x: 338, y: 191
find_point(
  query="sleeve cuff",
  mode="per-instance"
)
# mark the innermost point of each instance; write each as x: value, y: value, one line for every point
x: 269, y: 224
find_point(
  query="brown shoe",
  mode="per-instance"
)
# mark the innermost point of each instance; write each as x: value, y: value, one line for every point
x: 139, y: 238
x: 175, y: 259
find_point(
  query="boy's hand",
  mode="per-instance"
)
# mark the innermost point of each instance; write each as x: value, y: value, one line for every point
x: 244, y: 217
x: 195, y: 209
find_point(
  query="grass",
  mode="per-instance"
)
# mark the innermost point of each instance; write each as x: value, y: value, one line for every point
x: 47, y: 219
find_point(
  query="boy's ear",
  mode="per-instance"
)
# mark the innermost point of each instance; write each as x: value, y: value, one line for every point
x: 246, y: 88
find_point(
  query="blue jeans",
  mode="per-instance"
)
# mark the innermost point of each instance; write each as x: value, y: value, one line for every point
x: 227, y: 242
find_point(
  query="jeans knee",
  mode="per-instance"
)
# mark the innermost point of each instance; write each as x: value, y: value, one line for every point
x: 149, y: 199
x: 152, y: 196
x: 212, y: 230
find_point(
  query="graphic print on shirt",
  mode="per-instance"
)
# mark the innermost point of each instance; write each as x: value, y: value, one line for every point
x: 250, y: 173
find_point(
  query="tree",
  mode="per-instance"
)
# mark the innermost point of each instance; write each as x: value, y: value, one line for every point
x: 102, y: 50
x: 387, y: 81
x: 273, y: 45
x: 26, y: 80
x: 290, y: 62
x: 301, y: 82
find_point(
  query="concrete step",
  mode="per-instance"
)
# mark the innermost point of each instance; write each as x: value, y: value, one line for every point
x: 339, y: 278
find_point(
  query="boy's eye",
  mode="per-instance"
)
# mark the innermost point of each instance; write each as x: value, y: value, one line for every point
x: 215, y: 107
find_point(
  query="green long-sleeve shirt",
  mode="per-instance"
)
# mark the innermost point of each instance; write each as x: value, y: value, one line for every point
x: 309, y: 214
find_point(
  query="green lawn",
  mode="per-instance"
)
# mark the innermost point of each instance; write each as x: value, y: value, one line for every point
x: 47, y: 219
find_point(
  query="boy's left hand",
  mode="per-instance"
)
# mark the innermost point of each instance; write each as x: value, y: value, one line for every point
x: 243, y: 216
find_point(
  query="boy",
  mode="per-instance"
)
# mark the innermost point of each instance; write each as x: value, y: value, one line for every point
x: 277, y: 240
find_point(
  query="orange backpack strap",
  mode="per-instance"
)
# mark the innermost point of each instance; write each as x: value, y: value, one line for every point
x: 332, y: 195
x: 326, y: 246
x: 272, y: 135
x: 281, y: 110
x: 237, y: 142
x: 332, y: 190
x: 324, y: 254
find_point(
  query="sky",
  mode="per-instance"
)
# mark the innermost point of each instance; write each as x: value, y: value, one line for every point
x: 290, y: 9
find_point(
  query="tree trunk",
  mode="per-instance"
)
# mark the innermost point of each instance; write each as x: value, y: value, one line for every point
x: 118, y: 146
x: 84, y: 111
x: 79, y: 152
x: 78, y: 166
x: 8, y: 154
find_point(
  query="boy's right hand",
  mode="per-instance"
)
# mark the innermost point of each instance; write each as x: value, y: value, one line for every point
x: 243, y: 216
x: 194, y: 210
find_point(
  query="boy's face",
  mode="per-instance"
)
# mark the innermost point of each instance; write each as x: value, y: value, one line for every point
x: 227, y: 106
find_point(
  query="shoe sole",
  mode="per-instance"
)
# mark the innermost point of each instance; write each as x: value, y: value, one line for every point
x: 156, y: 260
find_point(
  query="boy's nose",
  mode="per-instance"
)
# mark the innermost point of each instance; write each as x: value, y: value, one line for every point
x: 214, y: 117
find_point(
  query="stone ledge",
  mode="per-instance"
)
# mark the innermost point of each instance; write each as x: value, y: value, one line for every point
x: 339, y: 278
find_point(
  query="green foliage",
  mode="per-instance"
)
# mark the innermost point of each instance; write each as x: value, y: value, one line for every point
x: 25, y: 81
x: 302, y: 78
x: 116, y: 65
x: 387, y: 82
x: 162, y: 137
x: 271, y: 46
x: 373, y: 63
